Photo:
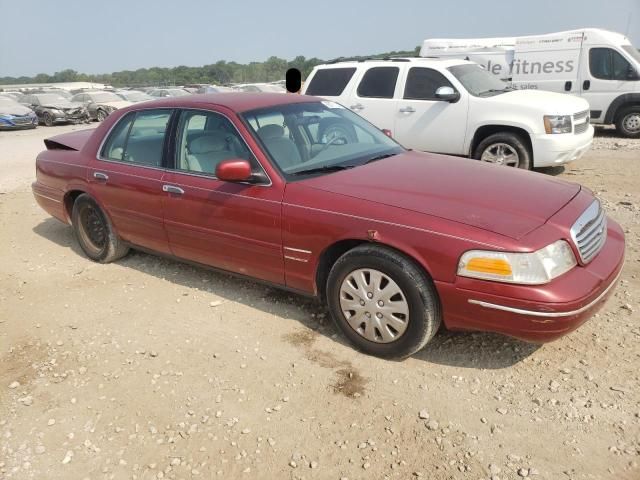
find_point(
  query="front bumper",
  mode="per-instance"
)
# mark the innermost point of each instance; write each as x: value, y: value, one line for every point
x: 64, y: 117
x: 558, y: 149
x: 538, y: 313
x: 16, y: 123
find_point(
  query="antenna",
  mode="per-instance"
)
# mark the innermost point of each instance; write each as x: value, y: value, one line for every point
x: 626, y: 33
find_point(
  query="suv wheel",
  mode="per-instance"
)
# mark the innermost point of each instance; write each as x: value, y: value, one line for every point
x: 504, y: 148
x: 382, y: 302
x: 628, y: 123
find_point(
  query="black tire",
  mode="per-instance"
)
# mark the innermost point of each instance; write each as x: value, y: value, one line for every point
x: 424, y: 315
x: 48, y: 119
x: 628, y: 122
x: 94, y: 231
x: 514, y: 141
x: 101, y: 115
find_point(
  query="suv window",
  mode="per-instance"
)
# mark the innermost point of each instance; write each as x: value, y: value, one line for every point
x: 138, y: 138
x: 330, y: 82
x: 378, y: 82
x: 422, y: 83
x: 607, y: 64
x: 205, y: 139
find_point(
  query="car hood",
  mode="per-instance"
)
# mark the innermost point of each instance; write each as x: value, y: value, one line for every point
x: 116, y: 104
x: 547, y: 103
x: 63, y: 105
x: 499, y: 199
x: 16, y: 110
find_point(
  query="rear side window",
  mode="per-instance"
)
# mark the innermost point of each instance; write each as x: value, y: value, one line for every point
x: 607, y: 64
x: 378, y: 82
x: 422, y: 84
x: 330, y: 82
x: 138, y: 138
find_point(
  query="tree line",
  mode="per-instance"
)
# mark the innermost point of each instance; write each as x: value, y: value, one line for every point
x: 220, y: 73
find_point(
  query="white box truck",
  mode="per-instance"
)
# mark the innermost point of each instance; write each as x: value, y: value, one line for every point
x: 602, y: 67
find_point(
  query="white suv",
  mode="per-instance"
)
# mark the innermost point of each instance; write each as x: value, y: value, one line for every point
x: 456, y: 107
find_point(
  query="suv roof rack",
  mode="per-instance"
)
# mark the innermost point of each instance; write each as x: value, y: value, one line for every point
x: 370, y: 59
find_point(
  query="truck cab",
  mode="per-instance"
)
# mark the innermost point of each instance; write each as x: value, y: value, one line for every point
x: 456, y: 107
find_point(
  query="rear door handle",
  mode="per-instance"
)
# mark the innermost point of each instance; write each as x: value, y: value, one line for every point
x: 586, y: 84
x: 100, y: 176
x: 357, y: 106
x: 172, y: 189
x: 407, y: 110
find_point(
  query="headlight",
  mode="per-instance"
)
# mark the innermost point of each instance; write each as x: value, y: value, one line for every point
x: 557, y: 123
x: 526, y: 268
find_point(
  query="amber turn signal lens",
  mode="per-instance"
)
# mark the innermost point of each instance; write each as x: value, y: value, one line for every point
x: 494, y: 266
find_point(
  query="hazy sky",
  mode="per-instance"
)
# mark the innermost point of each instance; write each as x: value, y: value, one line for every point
x: 45, y: 36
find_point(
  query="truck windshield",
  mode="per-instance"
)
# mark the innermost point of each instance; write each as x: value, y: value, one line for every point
x: 633, y: 52
x: 478, y: 81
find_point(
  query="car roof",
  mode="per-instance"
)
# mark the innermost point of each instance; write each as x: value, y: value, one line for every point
x: 236, y: 101
x: 377, y: 62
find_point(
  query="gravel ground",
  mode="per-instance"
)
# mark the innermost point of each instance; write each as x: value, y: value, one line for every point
x: 149, y: 369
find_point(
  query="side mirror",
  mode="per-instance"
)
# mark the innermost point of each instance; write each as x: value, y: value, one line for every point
x: 632, y: 74
x: 234, y: 170
x: 447, y: 94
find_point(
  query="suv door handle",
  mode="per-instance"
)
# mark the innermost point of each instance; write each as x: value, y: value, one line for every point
x: 100, y: 176
x: 172, y: 189
x: 407, y: 110
x: 357, y: 106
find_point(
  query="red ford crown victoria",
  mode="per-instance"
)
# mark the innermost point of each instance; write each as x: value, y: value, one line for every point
x: 308, y: 196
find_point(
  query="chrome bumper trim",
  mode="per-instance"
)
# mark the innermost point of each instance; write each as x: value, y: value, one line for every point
x: 547, y: 314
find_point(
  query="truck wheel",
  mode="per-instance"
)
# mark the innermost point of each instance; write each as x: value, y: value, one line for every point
x: 504, y: 148
x: 382, y: 302
x: 628, y: 123
x: 94, y: 231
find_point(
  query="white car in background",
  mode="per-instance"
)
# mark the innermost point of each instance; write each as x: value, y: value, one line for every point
x: 100, y: 103
x: 458, y: 108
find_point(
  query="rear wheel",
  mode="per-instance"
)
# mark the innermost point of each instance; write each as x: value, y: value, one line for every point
x: 94, y: 232
x: 48, y: 119
x: 101, y: 115
x: 628, y: 123
x: 505, y: 148
x: 382, y: 302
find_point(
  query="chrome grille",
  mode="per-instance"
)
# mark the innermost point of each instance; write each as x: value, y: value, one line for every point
x: 581, y: 122
x: 590, y: 231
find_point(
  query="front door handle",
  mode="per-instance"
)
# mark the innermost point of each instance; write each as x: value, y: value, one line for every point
x: 172, y: 189
x: 586, y: 84
x: 357, y: 106
x: 407, y: 110
x: 100, y: 176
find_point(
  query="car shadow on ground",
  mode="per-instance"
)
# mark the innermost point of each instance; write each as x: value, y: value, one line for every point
x: 458, y: 349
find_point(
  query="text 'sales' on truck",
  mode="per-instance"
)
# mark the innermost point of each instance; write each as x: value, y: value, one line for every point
x: 601, y: 66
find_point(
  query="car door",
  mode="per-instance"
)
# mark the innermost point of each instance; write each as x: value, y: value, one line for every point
x: 606, y: 74
x: 232, y: 226
x: 126, y: 177
x: 424, y: 122
x: 373, y: 97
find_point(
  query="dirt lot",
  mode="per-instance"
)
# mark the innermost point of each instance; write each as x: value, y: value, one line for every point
x: 148, y: 369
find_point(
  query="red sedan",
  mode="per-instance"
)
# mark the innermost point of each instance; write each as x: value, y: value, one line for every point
x: 308, y: 196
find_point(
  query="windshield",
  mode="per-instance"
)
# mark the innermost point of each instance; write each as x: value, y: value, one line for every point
x: 135, y: 96
x: 317, y: 137
x: 50, y: 98
x: 478, y: 81
x: 6, y: 102
x: 105, y: 97
x: 178, y: 92
x: 633, y: 52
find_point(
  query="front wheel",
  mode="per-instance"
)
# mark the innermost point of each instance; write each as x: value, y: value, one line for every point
x: 382, y: 302
x: 628, y: 123
x: 94, y: 231
x: 506, y: 149
x: 101, y: 115
x: 48, y: 119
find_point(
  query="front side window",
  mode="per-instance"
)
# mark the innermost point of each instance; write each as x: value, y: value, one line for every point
x: 422, y: 83
x: 205, y: 139
x: 478, y: 81
x: 378, y: 82
x: 138, y: 138
x: 317, y: 137
x: 607, y: 64
x: 330, y: 82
